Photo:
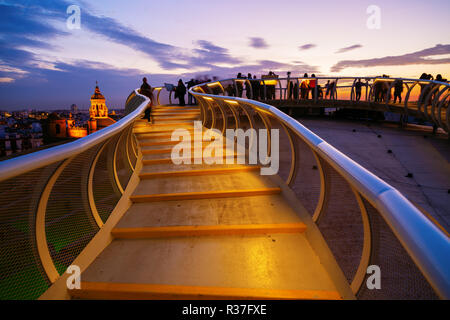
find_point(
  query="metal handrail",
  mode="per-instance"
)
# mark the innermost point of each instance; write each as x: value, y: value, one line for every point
x: 436, y: 100
x: 16, y: 166
x: 330, y: 78
x: 426, y: 244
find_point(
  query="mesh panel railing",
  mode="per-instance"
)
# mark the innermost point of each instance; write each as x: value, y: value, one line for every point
x: 53, y: 202
x: 364, y: 220
x: 21, y: 273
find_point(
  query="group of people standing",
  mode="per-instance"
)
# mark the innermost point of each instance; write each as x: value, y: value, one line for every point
x: 425, y: 88
x: 302, y: 88
x: 181, y: 89
x: 264, y: 89
x: 382, y: 91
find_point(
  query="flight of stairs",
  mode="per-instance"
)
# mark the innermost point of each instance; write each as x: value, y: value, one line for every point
x: 198, y: 231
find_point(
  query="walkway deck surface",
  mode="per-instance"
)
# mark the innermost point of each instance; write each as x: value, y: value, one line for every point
x: 198, y: 231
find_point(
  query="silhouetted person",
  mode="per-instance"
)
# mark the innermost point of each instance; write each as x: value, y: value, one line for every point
x: 378, y: 91
x: 398, y: 89
x: 230, y: 90
x: 440, y: 79
x: 240, y: 87
x: 180, y: 92
x: 358, y: 86
x: 255, y: 88
x: 289, y: 87
x: 436, y: 86
x: 425, y: 87
x: 147, y: 91
x: 327, y: 87
x: 332, y: 87
x: 248, y: 86
x: 191, y: 98
x: 304, y: 86
x: 312, y: 86
x: 320, y: 91
x: 271, y: 87
x: 296, y: 90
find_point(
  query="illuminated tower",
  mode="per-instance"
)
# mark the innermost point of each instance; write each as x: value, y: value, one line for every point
x: 98, y: 108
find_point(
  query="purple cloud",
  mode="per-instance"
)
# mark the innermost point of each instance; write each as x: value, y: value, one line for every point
x: 208, y: 45
x: 350, y: 48
x: 307, y: 46
x: 418, y: 57
x: 258, y: 43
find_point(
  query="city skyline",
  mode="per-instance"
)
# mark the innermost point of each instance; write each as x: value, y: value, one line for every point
x: 44, y: 64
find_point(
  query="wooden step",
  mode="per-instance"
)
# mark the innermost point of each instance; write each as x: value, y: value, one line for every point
x: 169, y: 150
x: 175, y: 114
x: 278, y: 261
x: 158, y: 108
x: 203, y: 230
x: 178, y: 124
x: 168, y: 143
x: 149, y: 162
x: 133, y: 291
x: 165, y: 134
x: 156, y: 134
x: 203, y: 195
x: 191, y: 106
x: 162, y: 143
x: 201, y: 172
x: 262, y: 209
x: 162, y: 136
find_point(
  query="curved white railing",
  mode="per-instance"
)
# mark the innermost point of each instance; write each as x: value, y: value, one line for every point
x: 425, y: 99
x: 16, y: 166
x: 55, y: 201
x: 425, y: 243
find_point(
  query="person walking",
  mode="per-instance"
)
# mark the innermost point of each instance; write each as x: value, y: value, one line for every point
x: 147, y: 91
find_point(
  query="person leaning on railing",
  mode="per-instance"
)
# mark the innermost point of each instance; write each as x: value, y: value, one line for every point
x: 147, y: 91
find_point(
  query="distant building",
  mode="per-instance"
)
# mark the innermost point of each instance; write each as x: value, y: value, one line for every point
x: 57, y: 126
x: 99, y: 111
x: 61, y: 127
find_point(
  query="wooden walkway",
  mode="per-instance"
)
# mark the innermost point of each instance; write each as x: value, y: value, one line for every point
x: 203, y: 231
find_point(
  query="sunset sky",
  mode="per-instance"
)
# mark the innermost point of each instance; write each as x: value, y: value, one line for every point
x: 43, y: 64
